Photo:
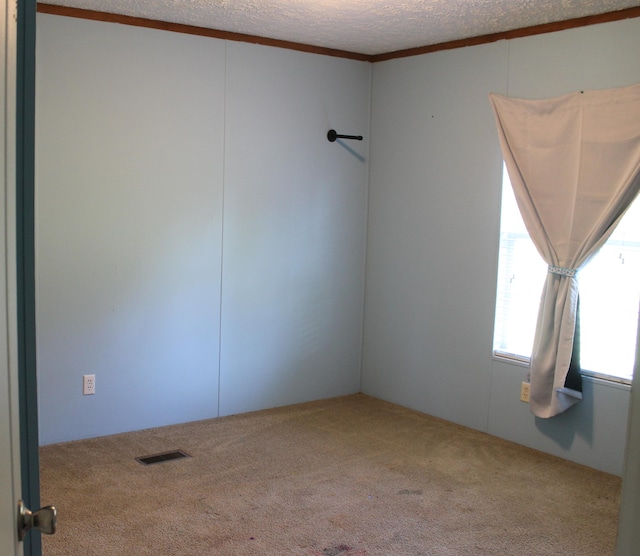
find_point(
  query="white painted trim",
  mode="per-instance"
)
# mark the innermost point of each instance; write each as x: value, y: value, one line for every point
x: 599, y: 378
x: 511, y: 358
x: 9, y: 417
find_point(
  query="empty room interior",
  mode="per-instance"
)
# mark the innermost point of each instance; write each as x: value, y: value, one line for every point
x: 205, y: 253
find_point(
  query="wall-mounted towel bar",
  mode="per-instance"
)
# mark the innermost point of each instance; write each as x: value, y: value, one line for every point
x: 332, y: 135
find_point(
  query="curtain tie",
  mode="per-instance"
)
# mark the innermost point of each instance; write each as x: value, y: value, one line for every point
x: 571, y: 272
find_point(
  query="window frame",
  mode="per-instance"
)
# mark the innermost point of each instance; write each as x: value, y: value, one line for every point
x: 522, y: 360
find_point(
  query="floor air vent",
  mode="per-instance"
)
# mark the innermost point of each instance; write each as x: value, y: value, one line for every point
x: 165, y: 456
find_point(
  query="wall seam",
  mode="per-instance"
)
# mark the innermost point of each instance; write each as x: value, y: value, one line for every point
x: 497, y: 244
x: 222, y: 213
x: 366, y: 230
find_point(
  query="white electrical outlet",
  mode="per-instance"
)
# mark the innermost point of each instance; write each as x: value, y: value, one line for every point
x: 524, y: 392
x: 88, y: 384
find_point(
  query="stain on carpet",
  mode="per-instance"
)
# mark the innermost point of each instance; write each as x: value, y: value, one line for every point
x: 405, y: 492
x: 339, y: 550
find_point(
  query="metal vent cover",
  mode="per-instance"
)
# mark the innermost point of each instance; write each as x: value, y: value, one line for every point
x: 164, y: 456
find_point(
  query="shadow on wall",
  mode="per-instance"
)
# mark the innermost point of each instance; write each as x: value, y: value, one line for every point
x: 352, y: 151
x: 576, y: 421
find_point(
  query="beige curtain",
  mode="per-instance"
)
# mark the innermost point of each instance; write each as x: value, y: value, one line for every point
x: 574, y: 163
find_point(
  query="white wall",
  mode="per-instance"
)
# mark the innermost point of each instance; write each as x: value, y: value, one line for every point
x: 185, y: 182
x: 433, y: 235
x: 156, y: 151
x: 295, y: 227
x: 432, y: 228
x: 628, y: 532
x: 129, y: 141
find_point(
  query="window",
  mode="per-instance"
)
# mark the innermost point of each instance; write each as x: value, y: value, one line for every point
x: 609, y: 294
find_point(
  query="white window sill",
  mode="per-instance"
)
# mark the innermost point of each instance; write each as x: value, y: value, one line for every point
x: 609, y: 380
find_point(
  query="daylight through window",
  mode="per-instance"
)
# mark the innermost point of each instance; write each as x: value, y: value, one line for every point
x: 609, y: 294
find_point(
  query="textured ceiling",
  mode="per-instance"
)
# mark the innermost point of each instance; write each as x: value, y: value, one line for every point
x: 362, y: 26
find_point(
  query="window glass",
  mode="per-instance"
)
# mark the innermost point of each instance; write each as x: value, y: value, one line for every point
x: 609, y: 293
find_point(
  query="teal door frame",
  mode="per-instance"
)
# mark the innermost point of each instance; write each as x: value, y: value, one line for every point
x: 25, y: 252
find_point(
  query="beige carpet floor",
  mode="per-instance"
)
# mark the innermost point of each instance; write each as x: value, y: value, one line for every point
x: 351, y: 476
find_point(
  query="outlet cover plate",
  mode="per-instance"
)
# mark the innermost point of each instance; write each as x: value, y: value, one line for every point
x: 88, y: 385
